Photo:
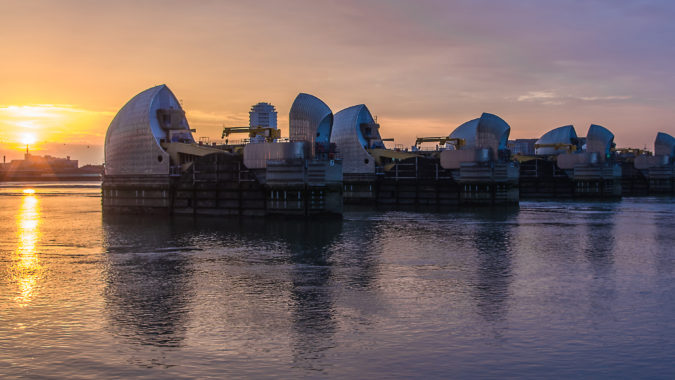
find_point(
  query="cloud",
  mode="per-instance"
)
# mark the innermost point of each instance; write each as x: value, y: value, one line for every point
x: 536, y: 63
x: 537, y: 95
x: 44, y: 110
x: 552, y: 98
x: 597, y: 98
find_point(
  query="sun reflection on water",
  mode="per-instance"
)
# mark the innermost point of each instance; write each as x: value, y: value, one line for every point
x: 27, y: 267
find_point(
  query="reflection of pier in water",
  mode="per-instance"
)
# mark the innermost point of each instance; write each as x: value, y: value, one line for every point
x: 664, y: 236
x: 308, y: 262
x: 320, y: 269
x: 253, y: 282
x: 313, y: 315
x: 492, y: 240
x: 147, y: 291
x: 599, y: 252
x: 309, y: 247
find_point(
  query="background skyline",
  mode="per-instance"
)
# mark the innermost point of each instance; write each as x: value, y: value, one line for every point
x: 422, y: 67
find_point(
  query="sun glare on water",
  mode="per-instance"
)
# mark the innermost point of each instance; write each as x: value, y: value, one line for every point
x: 26, y: 268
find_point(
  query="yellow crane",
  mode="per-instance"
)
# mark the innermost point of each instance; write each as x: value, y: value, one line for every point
x: 634, y: 151
x: 270, y: 134
x: 457, y: 142
x: 569, y: 147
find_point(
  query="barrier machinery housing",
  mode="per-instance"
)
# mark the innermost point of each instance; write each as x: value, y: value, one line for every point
x: 473, y: 168
x: 646, y: 174
x: 153, y: 164
x: 567, y: 166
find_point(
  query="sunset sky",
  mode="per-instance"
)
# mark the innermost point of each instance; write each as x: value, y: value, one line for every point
x: 423, y: 67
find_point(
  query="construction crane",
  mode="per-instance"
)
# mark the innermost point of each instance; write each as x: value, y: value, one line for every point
x: 270, y: 134
x: 633, y: 151
x: 569, y: 147
x: 457, y: 142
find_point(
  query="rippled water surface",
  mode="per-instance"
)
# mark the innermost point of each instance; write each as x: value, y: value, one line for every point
x: 552, y: 289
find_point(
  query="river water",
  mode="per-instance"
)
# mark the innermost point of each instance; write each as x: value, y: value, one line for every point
x: 551, y: 289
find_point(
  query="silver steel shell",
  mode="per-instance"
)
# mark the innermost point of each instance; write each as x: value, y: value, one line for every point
x: 489, y: 131
x: 310, y: 120
x: 599, y: 140
x: 467, y: 132
x: 664, y: 145
x: 132, y: 142
x: 351, y: 143
x: 561, y: 135
x: 492, y: 132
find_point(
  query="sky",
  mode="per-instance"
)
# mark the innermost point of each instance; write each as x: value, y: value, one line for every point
x: 423, y: 67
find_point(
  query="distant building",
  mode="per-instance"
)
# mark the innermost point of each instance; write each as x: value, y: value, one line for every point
x: 523, y: 147
x: 263, y: 115
x: 41, y: 164
x: 45, y: 168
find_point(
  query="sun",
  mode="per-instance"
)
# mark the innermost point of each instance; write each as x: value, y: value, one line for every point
x: 28, y: 139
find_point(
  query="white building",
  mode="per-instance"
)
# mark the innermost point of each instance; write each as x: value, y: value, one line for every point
x: 263, y: 115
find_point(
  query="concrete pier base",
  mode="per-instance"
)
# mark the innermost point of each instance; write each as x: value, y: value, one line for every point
x: 219, y: 184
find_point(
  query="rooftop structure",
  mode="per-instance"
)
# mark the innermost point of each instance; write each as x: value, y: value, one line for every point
x: 134, y: 137
x: 354, y: 132
x: 262, y: 115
